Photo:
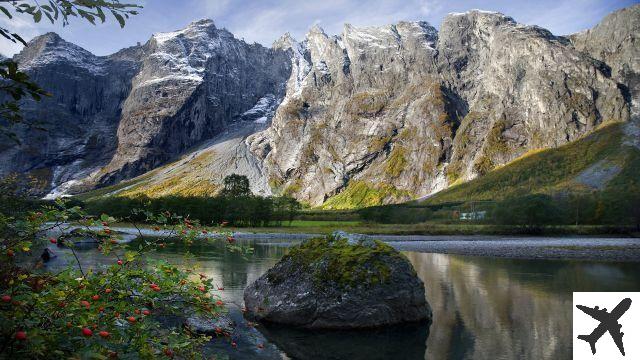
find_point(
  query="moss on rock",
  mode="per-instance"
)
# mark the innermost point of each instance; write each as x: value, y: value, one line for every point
x: 335, y: 261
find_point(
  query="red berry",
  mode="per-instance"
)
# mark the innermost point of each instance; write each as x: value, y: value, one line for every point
x: 131, y: 319
x: 95, y: 297
x: 233, y: 344
x: 137, y: 311
x: 85, y: 303
x: 219, y: 303
x: 202, y: 288
x: 6, y: 298
x: 168, y: 352
x: 119, y: 262
x: 107, y: 291
x: 53, y: 240
x: 87, y: 332
x: 104, y: 334
x: 10, y: 253
x: 220, y: 288
x: 101, y: 308
x: 62, y: 304
x: 146, y: 312
x: 21, y: 335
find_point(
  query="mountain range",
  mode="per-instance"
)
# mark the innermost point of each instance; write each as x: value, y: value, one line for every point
x: 373, y: 115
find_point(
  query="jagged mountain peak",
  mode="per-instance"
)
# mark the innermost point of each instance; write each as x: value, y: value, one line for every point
x: 481, y: 14
x: 285, y: 42
x: 198, y: 30
x: 316, y: 29
x: 50, y: 48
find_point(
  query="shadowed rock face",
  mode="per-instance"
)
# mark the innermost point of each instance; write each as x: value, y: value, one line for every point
x: 81, y: 116
x: 373, y: 115
x: 308, y: 288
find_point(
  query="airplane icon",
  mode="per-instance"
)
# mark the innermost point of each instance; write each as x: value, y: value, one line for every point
x: 608, y: 322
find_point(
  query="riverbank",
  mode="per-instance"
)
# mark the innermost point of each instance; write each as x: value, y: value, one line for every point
x: 624, y: 249
x: 327, y: 227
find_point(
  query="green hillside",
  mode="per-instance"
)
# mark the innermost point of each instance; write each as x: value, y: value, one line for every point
x: 600, y: 161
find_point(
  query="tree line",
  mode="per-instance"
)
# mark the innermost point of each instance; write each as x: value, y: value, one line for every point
x: 235, y: 205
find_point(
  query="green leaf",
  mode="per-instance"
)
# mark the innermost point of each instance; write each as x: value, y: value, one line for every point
x: 37, y: 16
x: 6, y: 12
x: 119, y: 18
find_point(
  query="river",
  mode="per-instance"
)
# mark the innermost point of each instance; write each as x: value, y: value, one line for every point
x: 484, y: 307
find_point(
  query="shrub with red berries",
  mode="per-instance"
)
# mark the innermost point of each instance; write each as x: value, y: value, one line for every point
x: 104, y: 312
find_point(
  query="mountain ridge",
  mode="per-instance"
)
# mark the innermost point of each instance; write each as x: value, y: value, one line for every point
x: 402, y: 105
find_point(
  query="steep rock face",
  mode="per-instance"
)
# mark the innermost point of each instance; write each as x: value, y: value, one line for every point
x: 524, y: 87
x: 81, y: 116
x: 192, y: 84
x: 397, y: 112
x: 360, y: 107
x: 616, y: 41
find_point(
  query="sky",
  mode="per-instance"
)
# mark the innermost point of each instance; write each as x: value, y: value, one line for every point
x: 264, y: 21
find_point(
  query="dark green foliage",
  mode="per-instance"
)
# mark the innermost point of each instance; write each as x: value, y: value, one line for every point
x: 238, y: 211
x: 395, y: 214
x: 529, y: 210
x: 236, y: 186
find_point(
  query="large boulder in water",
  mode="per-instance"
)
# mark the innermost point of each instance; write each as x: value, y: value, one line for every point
x: 331, y: 283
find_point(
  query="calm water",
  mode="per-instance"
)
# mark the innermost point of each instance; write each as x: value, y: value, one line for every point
x: 484, y: 308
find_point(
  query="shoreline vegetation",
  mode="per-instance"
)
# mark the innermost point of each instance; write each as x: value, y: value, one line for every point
x: 324, y: 227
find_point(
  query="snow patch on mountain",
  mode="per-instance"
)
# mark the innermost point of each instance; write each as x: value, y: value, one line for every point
x: 183, y: 54
x: 51, y: 49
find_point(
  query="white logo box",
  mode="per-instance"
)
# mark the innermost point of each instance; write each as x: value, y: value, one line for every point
x: 595, y: 326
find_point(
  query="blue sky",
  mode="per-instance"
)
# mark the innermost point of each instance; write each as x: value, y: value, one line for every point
x: 263, y: 21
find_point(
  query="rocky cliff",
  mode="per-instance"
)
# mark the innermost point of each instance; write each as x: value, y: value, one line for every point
x: 115, y: 117
x: 192, y: 85
x: 79, y: 119
x: 398, y: 112
x: 372, y: 115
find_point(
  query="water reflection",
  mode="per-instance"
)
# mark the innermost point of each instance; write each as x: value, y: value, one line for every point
x: 484, y: 308
x: 398, y: 342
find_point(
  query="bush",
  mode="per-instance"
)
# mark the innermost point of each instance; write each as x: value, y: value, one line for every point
x: 109, y: 311
x: 530, y: 210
